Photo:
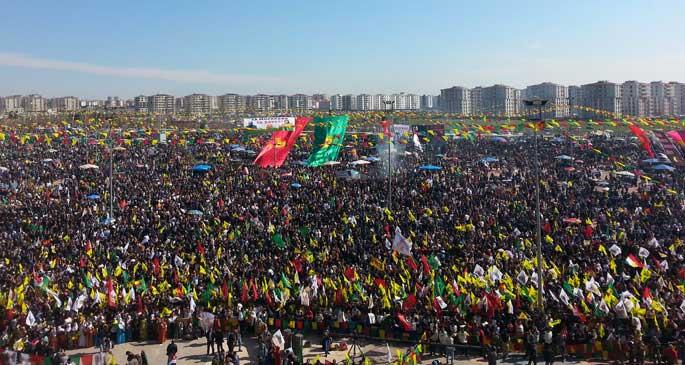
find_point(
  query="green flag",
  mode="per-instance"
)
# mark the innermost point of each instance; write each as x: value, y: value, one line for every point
x: 438, y: 286
x: 277, y: 239
x: 328, y: 139
x: 285, y: 281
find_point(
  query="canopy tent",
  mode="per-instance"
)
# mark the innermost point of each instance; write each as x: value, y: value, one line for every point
x: 360, y: 162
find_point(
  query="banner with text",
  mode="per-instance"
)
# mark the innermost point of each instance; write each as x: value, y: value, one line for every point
x: 268, y: 122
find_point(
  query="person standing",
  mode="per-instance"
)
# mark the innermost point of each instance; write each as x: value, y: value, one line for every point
x: 531, y: 346
x: 171, y: 351
x: 210, y: 341
x: 219, y: 341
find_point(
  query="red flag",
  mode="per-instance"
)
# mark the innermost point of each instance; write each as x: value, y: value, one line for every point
x: 297, y: 264
x: 200, y: 248
x: 277, y: 148
x: 409, y: 303
x: 224, y: 290
x: 426, y: 266
x: 642, y: 137
x: 380, y: 283
x: 405, y: 324
x: 350, y: 274
x: 244, y: 296
x: 275, y: 151
x: 255, y: 294
x: 386, y: 128
x: 411, y: 263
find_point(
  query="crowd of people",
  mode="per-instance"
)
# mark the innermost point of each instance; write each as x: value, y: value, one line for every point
x: 239, y: 249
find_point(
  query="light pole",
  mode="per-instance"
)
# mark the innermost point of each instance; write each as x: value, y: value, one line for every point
x: 390, y: 103
x: 539, y: 103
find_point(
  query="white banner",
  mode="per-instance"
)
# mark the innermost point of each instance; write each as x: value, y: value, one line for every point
x: 267, y: 122
x: 401, y: 131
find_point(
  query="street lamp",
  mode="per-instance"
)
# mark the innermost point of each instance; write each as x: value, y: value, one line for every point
x: 539, y: 103
x: 390, y: 103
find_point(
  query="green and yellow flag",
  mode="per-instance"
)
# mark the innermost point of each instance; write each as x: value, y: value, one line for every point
x: 329, y: 134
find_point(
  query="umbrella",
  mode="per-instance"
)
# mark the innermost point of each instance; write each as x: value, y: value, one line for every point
x: 202, y: 167
x: 572, y: 220
x: 360, y: 162
x: 250, y: 152
x: 564, y: 157
x: 93, y: 197
x: 52, y: 150
x: 372, y: 159
x: 296, y: 185
x: 195, y: 212
x: 557, y: 140
x: 119, y: 148
x: 430, y: 168
x: 489, y: 159
x: 624, y: 173
x: 331, y: 163
x: 570, y: 168
x: 663, y: 167
x: 47, y: 160
x: 88, y: 167
x: 651, y: 161
x: 301, y: 162
x: 499, y: 139
x: 238, y: 149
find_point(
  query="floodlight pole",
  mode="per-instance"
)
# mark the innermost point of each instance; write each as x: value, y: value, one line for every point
x: 539, y: 103
x: 391, y: 103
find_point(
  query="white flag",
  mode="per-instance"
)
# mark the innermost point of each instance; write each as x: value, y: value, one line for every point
x: 30, y: 319
x: 563, y: 296
x: 278, y: 340
x: 478, y: 271
x: 643, y: 253
x: 441, y: 302
x: 401, y: 244
x: 417, y: 142
x: 522, y: 278
x: 192, y: 305
x: 615, y: 250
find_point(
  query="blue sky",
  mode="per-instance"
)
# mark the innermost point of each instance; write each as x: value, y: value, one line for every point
x: 125, y: 48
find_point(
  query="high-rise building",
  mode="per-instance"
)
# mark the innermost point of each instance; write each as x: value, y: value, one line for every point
x: 636, y: 99
x: 364, y: 102
x: 34, y: 103
x: 213, y: 102
x: 140, y: 103
x: 378, y: 101
x: 349, y: 102
x: 556, y: 96
x: 161, y: 103
x: 476, y: 100
x: 336, y: 102
x: 456, y: 99
x: 601, y: 97
x: 232, y: 103
x: 664, y: 98
x: 429, y: 102
x: 11, y: 104
x: 281, y: 102
x: 575, y: 100
x: 64, y: 104
x: 197, y: 104
x: 500, y: 100
x: 300, y: 102
x: 114, y: 102
x: 260, y: 102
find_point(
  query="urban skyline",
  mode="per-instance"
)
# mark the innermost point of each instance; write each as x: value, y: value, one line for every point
x: 634, y: 98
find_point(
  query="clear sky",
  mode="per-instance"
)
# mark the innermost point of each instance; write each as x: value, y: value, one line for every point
x: 125, y: 48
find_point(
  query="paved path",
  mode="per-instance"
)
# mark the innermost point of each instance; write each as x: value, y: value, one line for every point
x: 194, y: 352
